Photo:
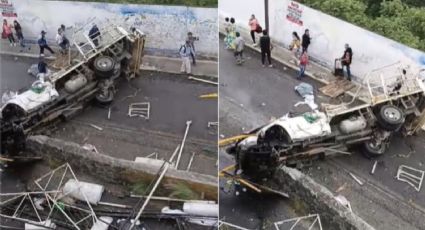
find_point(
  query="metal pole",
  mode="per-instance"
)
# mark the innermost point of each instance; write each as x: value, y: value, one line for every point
x: 182, y: 144
x: 266, y: 13
x: 167, y: 165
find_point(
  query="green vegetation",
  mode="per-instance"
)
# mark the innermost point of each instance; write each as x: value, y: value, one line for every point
x: 182, y: 191
x: 401, y: 20
x: 195, y: 3
x: 139, y: 188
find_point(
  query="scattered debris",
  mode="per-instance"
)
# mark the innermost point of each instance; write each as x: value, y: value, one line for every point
x: 152, y: 154
x: 342, y: 187
x: 412, y: 176
x: 212, y: 123
x: 222, y: 225
x: 299, y: 221
x: 96, y: 127
x: 336, y: 88
x: 210, y: 95
x: 263, y: 104
x: 109, y: 113
x: 90, y: 147
x: 356, y: 179
x: 140, y: 109
x: 202, y: 80
x: 132, y: 95
x: 83, y: 191
x: 343, y: 200
x: 374, y: 168
x: 305, y: 90
x: 190, y: 161
x: 182, y: 144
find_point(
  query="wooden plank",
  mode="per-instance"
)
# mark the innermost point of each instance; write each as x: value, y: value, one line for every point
x: 336, y: 88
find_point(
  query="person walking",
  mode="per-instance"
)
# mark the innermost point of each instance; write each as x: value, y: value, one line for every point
x: 346, y: 60
x: 295, y: 45
x: 62, y: 41
x: 192, y: 40
x: 253, y: 24
x: 186, y: 52
x: 42, y: 43
x: 306, y: 40
x: 231, y: 34
x: 266, y: 48
x: 303, y: 63
x: 239, y: 47
x: 7, y: 33
x: 19, y: 34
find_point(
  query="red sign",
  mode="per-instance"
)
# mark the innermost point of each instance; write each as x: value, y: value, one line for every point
x: 7, y: 9
x: 295, y: 13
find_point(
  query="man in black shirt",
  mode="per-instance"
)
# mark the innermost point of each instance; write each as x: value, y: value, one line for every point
x: 266, y: 47
x: 347, y: 59
x: 306, y: 40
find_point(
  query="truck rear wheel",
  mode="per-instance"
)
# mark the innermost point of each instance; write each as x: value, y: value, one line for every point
x: 373, y: 148
x: 390, y: 117
x: 104, y: 66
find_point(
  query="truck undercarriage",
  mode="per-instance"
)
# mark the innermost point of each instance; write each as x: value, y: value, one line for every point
x: 94, y: 67
x: 380, y: 107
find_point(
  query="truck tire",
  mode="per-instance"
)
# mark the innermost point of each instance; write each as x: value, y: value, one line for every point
x: 104, y: 66
x: 390, y: 117
x: 105, y: 100
x: 372, y: 150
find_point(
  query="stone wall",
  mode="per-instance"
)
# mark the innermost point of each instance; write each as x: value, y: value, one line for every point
x: 311, y: 197
x: 115, y: 170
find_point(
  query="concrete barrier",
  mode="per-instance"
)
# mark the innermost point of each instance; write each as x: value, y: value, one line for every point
x: 312, y: 197
x: 115, y: 170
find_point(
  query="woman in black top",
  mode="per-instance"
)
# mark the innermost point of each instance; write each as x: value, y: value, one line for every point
x: 19, y: 35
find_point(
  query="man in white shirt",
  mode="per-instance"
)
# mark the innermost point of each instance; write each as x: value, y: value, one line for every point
x: 239, y: 47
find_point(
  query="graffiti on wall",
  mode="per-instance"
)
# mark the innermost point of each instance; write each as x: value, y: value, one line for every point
x: 294, y: 13
x: 166, y: 27
x: 7, y: 9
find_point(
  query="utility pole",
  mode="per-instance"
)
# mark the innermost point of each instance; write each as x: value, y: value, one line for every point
x: 266, y: 13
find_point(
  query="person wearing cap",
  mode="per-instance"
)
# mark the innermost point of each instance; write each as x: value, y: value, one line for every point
x: 186, y: 51
x: 346, y: 60
x: 42, y: 42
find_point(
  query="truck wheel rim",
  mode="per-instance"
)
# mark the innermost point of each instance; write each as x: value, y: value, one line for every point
x: 392, y: 114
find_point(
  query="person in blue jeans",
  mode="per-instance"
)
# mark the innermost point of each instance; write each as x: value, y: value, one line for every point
x: 347, y: 59
x: 303, y: 63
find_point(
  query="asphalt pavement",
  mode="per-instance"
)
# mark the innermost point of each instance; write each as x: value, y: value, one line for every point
x: 250, y: 95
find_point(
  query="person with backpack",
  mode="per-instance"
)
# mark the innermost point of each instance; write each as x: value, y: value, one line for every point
x: 18, y: 32
x: 42, y: 43
x: 255, y: 27
x: 306, y: 40
x: 346, y: 60
x: 266, y: 48
x: 303, y: 63
x: 186, y: 52
x: 239, y: 47
x: 7, y: 33
x: 192, y: 40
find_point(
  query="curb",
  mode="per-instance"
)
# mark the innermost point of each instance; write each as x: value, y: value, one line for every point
x: 146, y: 68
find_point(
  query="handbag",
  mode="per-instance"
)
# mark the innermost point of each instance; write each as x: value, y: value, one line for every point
x: 3, y: 34
x: 259, y: 29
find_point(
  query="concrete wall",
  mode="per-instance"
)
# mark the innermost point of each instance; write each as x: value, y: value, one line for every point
x: 316, y: 199
x: 115, y: 170
x: 328, y: 34
x: 166, y: 26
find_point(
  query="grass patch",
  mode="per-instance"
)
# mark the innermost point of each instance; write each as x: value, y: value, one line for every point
x: 182, y: 191
x: 139, y: 188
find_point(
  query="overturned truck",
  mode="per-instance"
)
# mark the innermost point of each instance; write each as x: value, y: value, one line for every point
x: 388, y: 100
x: 89, y: 72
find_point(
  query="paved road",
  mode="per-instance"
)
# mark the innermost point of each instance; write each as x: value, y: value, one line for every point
x: 243, y: 92
x: 13, y: 73
x: 383, y: 201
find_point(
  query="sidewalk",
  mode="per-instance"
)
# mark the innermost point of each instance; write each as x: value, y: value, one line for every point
x: 150, y: 63
x: 284, y: 56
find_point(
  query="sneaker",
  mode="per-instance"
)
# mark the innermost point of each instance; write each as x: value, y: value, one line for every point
x: 271, y: 66
x: 11, y: 44
x: 14, y: 44
x: 264, y: 66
